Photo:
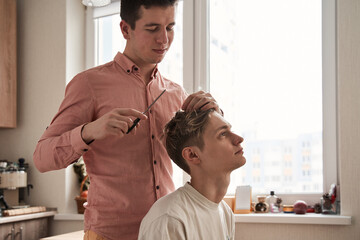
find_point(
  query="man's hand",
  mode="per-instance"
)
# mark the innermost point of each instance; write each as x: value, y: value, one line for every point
x: 200, y: 101
x: 116, y: 122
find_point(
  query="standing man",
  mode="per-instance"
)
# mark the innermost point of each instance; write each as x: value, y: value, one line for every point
x: 128, y: 172
x: 203, y: 145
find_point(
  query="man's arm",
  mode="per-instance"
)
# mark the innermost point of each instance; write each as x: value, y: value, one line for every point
x: 61, y: 143
x: 163, y: 228
x: 65, y: 140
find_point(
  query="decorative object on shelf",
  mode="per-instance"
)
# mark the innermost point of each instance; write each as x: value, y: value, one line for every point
x: 253, y: 204
x: 288, y: 208
x: 81, y: 200
x: 300, y: 207
x: 243, y: 199
x: 80, y: 170
x: 310, y: 209
x: 330, y: 203
x: 278, y: 203
x: 96, y: 3
x: 261, y: 206
x: 317, y: 208
x: 272, y: 201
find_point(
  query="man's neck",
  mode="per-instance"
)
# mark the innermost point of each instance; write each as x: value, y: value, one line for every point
x: 213, y: 188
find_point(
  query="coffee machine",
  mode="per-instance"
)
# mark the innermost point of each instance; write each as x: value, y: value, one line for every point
x: 13, y: 178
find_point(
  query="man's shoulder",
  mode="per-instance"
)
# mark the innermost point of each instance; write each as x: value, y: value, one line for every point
x: 171, y: 84
x: 164, y: 212
x: 168, y: 203
x: 97, y: 69
x: 91, y: 74
x: 167, y: 206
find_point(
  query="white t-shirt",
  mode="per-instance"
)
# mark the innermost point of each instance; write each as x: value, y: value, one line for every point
x: 186, y: 214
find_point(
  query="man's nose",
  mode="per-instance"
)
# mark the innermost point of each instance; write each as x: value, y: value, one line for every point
x: 237, y: 139
x: 162, y: 37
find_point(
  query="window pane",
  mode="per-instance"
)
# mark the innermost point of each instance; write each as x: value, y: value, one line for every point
x: 172, y: 65
x: 109, y: 41
x: 172, y: 68
x: 266, y: 74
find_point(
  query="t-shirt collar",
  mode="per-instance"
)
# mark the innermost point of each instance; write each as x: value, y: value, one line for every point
x: 199, y: 197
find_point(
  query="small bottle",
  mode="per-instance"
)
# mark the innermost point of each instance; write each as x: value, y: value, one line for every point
x: 272, y: 201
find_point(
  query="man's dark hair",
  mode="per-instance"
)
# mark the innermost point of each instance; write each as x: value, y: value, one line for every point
x: 130, y: 9
x: 184, y: 130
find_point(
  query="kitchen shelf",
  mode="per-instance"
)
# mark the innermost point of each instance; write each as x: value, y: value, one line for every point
x: 26, y: 217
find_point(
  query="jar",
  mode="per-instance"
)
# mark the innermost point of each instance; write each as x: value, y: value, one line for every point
x: 261, y: 206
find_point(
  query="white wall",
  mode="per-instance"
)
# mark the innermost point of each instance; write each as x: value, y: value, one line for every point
x: 50, y: 51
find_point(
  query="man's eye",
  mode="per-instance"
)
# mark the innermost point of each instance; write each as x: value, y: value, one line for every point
x: 223, y: 134
x: 170, y: 28
x: 151, y: 29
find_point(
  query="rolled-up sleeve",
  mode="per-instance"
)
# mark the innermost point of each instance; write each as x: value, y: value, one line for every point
x: 61, y: 143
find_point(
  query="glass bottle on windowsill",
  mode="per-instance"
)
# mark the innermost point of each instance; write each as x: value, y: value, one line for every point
x: 272, y: 200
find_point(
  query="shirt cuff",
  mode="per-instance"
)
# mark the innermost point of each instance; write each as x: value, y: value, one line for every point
x: 77, y: 142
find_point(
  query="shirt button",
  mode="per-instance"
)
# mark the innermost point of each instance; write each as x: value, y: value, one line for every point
x: 152, y: 136
x: 154, y: 161
x: 157, y: 187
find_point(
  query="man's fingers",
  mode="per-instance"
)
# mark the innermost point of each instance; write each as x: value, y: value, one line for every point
x: 131, y: 112
x: 190, y: 98
x: 200, y: 105
x: 115, y: 127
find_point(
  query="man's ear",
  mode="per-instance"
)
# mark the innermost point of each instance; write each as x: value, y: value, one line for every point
x: 190, y: 154
x: 125, y: 29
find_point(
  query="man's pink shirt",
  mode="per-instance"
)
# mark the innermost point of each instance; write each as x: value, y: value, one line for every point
x: 127, y: 174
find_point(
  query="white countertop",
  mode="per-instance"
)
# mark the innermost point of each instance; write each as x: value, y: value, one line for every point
x: 79, y: 235
x: 26, y: 217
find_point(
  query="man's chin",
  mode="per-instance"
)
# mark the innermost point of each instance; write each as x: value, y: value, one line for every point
x: 158, y: 60
x: 242, y: 162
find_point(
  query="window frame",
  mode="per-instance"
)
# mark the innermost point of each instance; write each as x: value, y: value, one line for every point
x: 329, y: 88
x: 196, y: 73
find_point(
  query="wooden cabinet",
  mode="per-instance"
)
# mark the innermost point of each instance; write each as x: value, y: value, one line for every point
x: 25, y: 230
x: 8, y: 63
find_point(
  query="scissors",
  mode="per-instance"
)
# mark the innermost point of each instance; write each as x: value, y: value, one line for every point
x: 137, y: 120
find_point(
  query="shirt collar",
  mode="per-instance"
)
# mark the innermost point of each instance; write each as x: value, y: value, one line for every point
x: 129, y: 66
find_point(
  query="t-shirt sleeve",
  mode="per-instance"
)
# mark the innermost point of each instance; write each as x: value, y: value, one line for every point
x: 163, y: 228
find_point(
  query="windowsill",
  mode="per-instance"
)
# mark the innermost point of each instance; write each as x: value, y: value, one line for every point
x: 69, y: 217
x: 289, y: 218
x: 284, y: 218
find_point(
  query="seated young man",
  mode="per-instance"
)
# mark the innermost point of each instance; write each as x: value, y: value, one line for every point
x: 203, y: 145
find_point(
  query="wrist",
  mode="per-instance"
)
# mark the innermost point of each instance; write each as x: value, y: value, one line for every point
x: 86, y: 137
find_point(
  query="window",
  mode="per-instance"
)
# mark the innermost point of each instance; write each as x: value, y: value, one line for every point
x: 272, y: 76
x: 271, y: 67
